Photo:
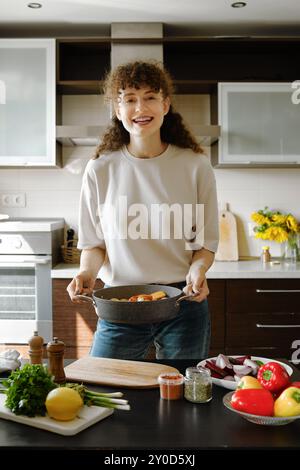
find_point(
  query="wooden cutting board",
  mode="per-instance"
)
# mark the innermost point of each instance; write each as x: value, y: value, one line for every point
x: 116, y: 372
x: 228, y: 244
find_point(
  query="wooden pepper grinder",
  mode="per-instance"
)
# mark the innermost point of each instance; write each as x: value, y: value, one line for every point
x: 35, y: 352
x: 55, y: 352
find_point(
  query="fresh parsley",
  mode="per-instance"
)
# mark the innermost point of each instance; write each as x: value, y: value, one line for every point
x: 27, y: 389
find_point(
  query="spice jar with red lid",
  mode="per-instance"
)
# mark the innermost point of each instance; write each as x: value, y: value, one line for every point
x: 171, y: 385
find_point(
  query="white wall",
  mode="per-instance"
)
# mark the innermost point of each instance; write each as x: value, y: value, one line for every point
x: 55, y: 192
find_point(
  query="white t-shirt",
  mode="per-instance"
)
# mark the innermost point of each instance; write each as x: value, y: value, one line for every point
x: 146, y: 213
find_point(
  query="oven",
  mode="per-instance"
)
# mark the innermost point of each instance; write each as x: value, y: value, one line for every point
x: 26, y: 259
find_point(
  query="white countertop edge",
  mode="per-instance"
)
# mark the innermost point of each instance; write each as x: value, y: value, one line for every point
x: 253, y: 269
x: 43, y: 225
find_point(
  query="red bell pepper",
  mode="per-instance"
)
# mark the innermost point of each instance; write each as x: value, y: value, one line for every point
x: 295, y: 384
x: 273, y: 377
x: 255, y: 401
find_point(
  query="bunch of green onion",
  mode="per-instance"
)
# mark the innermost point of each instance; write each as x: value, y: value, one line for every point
x: 106, y: 400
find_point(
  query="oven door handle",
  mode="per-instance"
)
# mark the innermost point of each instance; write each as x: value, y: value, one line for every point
x: 24, y: 261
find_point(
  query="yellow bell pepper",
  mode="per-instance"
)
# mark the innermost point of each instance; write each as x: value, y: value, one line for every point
x: 288, y: 403
x: 249, y: 382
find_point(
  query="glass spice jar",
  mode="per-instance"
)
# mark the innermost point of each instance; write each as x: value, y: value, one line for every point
x: 171, y: 385
x: 197, y: 385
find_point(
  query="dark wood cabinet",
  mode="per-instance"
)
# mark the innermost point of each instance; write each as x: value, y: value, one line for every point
x: 74, y: 324
x: 262, y: 317
x: 216, y: 302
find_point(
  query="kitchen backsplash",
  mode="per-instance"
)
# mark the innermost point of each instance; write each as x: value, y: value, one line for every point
x: 55, y: 192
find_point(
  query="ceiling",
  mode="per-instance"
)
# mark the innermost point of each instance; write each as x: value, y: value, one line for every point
x: 188, y: 17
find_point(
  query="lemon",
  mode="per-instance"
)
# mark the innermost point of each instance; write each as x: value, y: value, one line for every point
x: 63, y: 403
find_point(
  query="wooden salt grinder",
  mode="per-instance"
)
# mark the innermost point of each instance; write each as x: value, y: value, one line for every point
x: 55, y: 352
x: 35, y: 352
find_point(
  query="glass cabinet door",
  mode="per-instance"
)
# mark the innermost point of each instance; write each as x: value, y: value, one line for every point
x: 259, y: 124
x: 27, y: 102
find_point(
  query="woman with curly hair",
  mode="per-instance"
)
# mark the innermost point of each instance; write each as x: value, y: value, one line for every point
x: 148, y: 164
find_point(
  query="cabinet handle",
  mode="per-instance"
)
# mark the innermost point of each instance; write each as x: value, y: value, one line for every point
x: 261, y: 325
x: 264, y: 291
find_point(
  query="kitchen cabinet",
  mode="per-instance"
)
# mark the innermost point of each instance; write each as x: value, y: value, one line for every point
x: 216, y: 303
x: 262, y: 317
x: 74, y: 324
x: 82, y: 64
x: 254, y: 132
x: 27, y: 103
x: 260, y: 125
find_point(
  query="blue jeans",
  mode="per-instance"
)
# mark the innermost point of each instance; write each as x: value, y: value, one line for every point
x: 187, y: 336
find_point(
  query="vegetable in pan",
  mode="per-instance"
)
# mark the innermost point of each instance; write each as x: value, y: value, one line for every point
x: 159, y: 295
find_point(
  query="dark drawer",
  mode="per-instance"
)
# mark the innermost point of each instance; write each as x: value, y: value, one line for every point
x: 263, y: 331
x: 263, y: 296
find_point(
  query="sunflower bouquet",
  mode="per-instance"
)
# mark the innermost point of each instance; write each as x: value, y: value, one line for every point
x: 274, y: 225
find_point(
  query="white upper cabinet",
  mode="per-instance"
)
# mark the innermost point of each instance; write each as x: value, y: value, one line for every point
x: 27, y: 102
x: 260, y: 125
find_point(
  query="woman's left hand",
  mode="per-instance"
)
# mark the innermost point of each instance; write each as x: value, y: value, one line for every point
x: 196, y: 284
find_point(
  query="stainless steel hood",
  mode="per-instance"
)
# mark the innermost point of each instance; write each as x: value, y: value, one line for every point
x: 90, y: 136
x: 121, y: 53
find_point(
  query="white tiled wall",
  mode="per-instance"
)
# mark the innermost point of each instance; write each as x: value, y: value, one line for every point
x: 55, y: 192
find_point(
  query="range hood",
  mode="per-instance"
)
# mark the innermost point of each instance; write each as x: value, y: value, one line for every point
x: 120, y: 53
x: 90, y: 136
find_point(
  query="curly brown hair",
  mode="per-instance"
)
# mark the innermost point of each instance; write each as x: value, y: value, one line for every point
x: 134, y: 75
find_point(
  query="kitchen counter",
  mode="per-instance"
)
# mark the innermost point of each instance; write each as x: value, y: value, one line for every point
x: 252, y: 269
x: 158, y: 425
x: 27, y: 224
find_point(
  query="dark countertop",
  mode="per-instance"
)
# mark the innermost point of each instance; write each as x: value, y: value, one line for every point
x: 157, y: 424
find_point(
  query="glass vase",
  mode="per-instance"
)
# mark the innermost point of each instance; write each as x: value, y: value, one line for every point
x: 291, y: 252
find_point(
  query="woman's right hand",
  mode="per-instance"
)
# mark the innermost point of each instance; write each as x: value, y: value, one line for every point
x: 82, y: 284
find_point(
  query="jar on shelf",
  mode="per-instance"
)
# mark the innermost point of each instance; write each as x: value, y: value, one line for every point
x: 171, y: 385
x: 197, y: 385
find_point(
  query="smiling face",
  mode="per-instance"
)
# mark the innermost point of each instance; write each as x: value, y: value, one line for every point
x: 141, y: 111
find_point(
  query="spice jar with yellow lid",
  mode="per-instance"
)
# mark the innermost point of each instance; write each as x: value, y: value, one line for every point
x: 266, y: 255
x: 197, y: 385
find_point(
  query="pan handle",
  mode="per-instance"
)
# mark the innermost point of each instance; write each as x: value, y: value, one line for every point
x: 186, y: 297
x: 86, y: 298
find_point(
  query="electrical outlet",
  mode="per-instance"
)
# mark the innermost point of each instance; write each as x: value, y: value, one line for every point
x: 13, y: 200
x: 251, y: 226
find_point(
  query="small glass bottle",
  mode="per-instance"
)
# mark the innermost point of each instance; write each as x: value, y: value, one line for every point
x: 171, y: 385
x: 266, y: 255
x: 197, y: 385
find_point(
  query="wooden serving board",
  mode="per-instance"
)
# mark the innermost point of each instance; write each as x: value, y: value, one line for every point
x: 87, y: 416
x: 116, y: 372
x: 228, y: 244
